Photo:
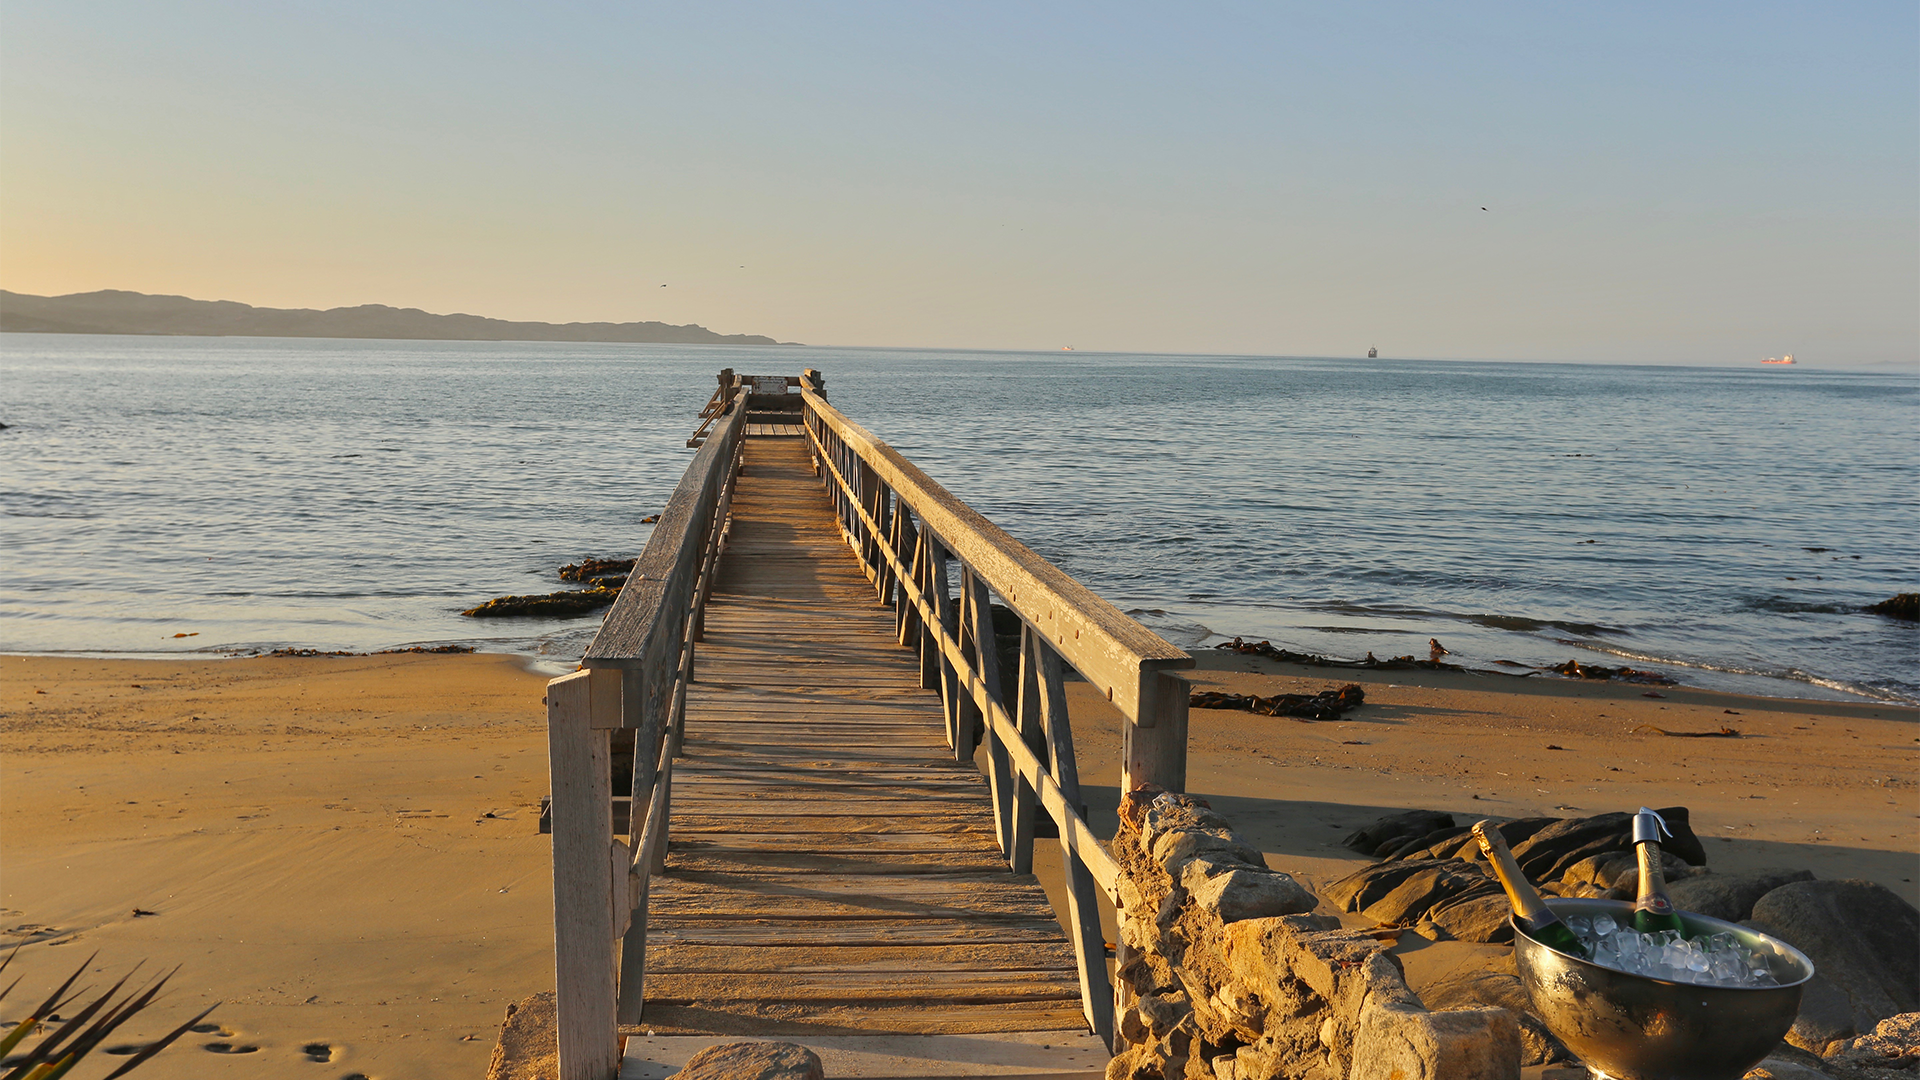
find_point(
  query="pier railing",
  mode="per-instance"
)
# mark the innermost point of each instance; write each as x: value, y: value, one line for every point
x: 914, y: 538
x: 633, y: 680
x: 940, y: 565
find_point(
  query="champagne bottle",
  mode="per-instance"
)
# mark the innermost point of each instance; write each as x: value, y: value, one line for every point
x: 1652, y: 911
x: 1531, y: 912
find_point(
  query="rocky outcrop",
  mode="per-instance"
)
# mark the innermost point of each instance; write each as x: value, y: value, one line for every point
x: 1864, y: 941
x: 1227, y: 976
x: 1890, y: 1050
x: 1904, y: 606
x: 548, y: 604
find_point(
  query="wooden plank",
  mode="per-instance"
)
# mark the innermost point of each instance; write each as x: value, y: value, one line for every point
x: 817, y: 814
x: 725, y: 859
x: 679, y: 958
x: 937, y: 985
x: 583, y: 928
x: 800, y: 1019
x: 750, y: 935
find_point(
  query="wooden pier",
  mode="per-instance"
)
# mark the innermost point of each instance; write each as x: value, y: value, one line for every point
x: 806, y: 664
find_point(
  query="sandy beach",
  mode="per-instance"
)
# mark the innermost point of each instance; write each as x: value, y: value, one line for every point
x: 342, y: 850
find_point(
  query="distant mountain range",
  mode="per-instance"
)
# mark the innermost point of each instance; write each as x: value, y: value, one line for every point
x: 113, y: 311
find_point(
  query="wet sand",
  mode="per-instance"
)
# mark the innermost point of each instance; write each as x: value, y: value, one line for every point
x: 313, y: 835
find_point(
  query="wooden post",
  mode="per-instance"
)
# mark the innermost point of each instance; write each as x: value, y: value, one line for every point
x: 583, y: 927
x: 1153, y: 748
x: 1026, y: 801
x: 1083, y: 905
x: 986, y: 658
x: 923, y: 577
x: 949, y: 621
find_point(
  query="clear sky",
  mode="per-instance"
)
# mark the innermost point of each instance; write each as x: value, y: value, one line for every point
x: 1691, y: 183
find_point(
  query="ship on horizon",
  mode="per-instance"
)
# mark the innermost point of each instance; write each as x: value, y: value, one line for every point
x: 1787, y: 359
x: 1373, y: 353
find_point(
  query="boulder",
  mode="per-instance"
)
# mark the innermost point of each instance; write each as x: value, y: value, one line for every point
x: 1891, y: 1049
x: 1497, y: 986
x: 1729, y: 897
x: 1478, y: 917
x: 1777, y: 1068
x: 752, y: 1061
x: 1864, y: 941
x: 1406, y: 1042
x: 1672, y: 869
x: 1435, y: 883
x: 1232, y: 890
x: 1369, y: 884
x: 1370, y: 839
x: 1905, y: 605
x: 1554, y: 849
x: 1418, y: 845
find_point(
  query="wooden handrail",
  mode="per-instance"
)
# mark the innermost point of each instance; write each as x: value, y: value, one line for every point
x: 1107, y: 648
x: 885, y: 505
x: 634, y: 676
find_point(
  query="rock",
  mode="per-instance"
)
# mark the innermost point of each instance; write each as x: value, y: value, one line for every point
x: 1864, y: 941
x: 1370, y: 883
x: 1554, y: 849
x: 593, y: 568
x: 1602, y: 870
x: 1405, y: 1042
x: 1893, y: 1047
x: 529, y: 1046
x: 549, y: 604
x: 1414, y: 846
x: 1499, y: 987
x: 1904, y: 606
x: 1437, y: 882
x: 1729, y: 897
x: 1478, y: 917
x: 752, y: 1061
x: 1627, y: 885
x: 1775, y: 1068
x: 1234, y: 891
x: 1399, y: 826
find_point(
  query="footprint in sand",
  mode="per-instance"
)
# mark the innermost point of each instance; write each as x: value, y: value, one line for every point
x: 318, y: 1051
x: 124, y: 1049
x: 211, y: 1029
x: 230, y: 1048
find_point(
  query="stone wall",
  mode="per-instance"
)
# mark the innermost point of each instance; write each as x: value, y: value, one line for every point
x: 1226, y: 976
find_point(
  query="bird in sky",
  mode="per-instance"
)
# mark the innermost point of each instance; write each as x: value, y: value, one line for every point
x: 1483, y: 208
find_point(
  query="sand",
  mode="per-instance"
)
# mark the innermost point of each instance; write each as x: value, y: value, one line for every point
x: 343, y: 850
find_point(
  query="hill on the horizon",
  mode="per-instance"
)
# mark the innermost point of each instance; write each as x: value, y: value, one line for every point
x: 115, y: 311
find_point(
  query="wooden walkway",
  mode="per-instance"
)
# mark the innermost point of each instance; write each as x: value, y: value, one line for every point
x: 832, y: 869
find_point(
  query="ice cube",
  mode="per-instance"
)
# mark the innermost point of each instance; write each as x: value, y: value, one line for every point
x: 1580, y: 924
x: 1603, y: 925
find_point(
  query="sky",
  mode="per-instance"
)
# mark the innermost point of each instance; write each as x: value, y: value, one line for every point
x: 1647, y: 183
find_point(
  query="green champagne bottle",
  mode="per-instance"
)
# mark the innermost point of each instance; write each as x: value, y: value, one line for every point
x: 1531, y: 912
x: 1652, y: 911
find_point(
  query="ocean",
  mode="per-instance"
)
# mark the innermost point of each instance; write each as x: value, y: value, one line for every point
x: 222, y: 496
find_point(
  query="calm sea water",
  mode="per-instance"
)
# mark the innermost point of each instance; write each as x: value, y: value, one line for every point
x: 1725, y: 525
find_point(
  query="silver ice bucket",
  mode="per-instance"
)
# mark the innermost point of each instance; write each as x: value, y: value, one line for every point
x: 1634, y: 1027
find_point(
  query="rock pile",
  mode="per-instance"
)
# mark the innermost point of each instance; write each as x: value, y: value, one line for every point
x: 604, y: 579
x: 1227, y: 977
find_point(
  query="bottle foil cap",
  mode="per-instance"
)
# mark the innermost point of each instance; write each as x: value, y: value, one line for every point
x: 1648, y: 825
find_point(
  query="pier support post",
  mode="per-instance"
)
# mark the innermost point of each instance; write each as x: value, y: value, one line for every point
x: 583, y: 894
x: 1153, y: 748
